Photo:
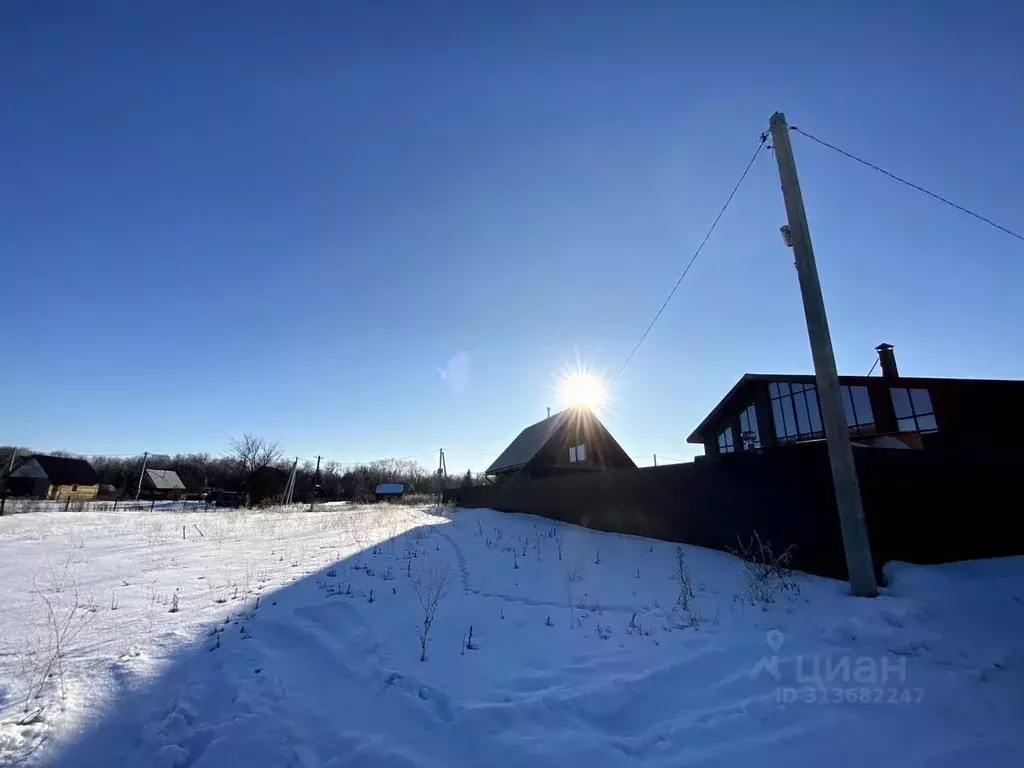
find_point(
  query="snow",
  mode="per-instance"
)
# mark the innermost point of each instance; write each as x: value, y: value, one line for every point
x: 277, y: 656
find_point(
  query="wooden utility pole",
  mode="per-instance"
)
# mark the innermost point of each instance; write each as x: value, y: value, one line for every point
x: 655, y: 459
x: 837, y: 436
x: 442, y: 473
x: 138, y: 490
x: 289, y: 488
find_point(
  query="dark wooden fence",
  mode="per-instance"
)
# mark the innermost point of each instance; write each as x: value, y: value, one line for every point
x: 921, y: 507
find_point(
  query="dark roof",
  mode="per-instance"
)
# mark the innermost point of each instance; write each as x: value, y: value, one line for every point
x: 390, y: 489
x: 61, y: 470
x: 164, y: 480
x: 527, y: 444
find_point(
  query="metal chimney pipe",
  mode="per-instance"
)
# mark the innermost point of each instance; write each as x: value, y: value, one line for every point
x: 887, y: 361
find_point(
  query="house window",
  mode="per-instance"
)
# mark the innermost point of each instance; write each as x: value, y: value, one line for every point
x: 577, y: 453
x: 914, y: 411
x: 857, y: 408
x: 795, y: 411
x: 750, y: 436
x: 797, y: 415
x: 725, y: 441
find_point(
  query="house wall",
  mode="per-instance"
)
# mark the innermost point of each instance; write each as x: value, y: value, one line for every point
x: 915, y: 504
x: 603, y: 452
x: 76, y: 492
x: 972, y: 415
x: 986, y: 416
x: 29, y: 479
x: 754, y: 393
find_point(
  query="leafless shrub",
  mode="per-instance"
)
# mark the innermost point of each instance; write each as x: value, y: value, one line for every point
x: 767, y: 574
x: 679, y: 618
x: 66, y: 616
x: 685, y: 579
x: 636, y: 627
x: 430, y: 587
x: 467, y: 642
x: 573, y: 576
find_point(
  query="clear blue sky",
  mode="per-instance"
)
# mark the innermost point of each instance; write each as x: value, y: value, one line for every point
x: 285, y: 218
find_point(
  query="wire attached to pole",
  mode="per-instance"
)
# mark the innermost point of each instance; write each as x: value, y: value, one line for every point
x: 910, y: 184
x: 760, y: 145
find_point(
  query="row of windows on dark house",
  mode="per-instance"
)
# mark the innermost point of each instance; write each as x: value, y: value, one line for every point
x: 796, y: 415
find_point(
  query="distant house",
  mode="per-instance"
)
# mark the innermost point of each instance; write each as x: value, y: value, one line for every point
x: 54, y: 477
x: 573, y: 440
x: 163, y: 484
x: 385, y: 491
x: 767, y: 411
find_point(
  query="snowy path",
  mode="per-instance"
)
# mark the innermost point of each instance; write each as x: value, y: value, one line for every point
x: 582, y: 670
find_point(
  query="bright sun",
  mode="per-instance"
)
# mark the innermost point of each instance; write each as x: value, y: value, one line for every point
x: 581, y: 388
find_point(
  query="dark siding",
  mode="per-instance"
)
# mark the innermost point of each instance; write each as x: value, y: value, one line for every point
x: 603, y: 452
x: 972, y: 414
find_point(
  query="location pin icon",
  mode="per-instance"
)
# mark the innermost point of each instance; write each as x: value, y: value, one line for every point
x: 774, y: 638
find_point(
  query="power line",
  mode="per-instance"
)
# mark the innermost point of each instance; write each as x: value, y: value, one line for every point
x: 910, y: 184
x: 693, y: 258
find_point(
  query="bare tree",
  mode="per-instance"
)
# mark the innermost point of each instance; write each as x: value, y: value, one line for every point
x: 252, y: 453
x: 431, y: 587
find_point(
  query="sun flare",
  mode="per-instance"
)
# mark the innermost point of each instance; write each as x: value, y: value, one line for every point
x: 581, y: 388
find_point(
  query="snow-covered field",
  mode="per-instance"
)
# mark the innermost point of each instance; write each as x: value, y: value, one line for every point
x: 291, y: 638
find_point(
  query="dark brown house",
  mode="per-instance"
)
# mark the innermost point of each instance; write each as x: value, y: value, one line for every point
x: 573, y: 440
x: 767, y: 410
x: 54, y: 477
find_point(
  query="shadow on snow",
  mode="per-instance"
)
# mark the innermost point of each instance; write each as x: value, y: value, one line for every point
x: 295, y: 678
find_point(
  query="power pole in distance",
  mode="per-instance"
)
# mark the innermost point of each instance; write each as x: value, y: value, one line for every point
x: 837, y: 436
x: 138, y: 490
x: 442, y: 473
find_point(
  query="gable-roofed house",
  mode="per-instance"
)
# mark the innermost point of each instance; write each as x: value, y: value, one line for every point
x: 573, y: 440
x: 54, y: 477
x: 163, y: 484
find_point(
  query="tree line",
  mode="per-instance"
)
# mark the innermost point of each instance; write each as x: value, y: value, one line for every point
x: 257, y: 468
